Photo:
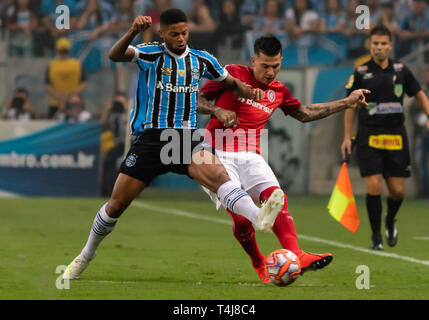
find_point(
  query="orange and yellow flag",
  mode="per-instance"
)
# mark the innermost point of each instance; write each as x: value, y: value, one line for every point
x: 342, y: 206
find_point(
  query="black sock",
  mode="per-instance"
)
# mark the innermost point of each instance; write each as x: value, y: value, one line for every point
x: 373, y: 206
x: 392, y: 209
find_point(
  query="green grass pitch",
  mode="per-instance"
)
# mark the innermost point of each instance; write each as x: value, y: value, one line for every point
x: 167, y: 247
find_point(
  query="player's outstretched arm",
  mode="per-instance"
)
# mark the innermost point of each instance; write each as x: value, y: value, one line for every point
x: 240, y: 89
x: 227, y: 117
x: 120, y: 51
x: 318, y: 111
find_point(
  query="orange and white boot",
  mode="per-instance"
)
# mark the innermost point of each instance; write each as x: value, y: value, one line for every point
x: 313, y: 261
x: 261, y: 273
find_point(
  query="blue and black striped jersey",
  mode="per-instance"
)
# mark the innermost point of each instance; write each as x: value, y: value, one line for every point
x: 168, y: 85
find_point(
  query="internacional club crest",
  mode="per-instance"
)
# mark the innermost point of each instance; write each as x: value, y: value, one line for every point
x: 271, y: 95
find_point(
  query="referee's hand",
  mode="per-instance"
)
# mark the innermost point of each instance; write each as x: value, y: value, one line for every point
x: 357, y: 98
x: 346, y: 148
x: 141, y: 23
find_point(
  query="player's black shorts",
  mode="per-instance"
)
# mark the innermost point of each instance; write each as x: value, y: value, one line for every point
x: 158, y: 151
x: 383, y: 151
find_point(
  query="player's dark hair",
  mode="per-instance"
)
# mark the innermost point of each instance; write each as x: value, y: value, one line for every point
x: 270, y: 46
x: 381, y: 30
x: 172, y: 16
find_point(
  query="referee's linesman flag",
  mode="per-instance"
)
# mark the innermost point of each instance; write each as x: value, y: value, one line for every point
x: 342, y: 206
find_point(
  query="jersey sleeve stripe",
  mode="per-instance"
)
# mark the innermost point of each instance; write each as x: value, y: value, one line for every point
x: 211, y: 62
x: 136, y: 53
x: 149, y: 57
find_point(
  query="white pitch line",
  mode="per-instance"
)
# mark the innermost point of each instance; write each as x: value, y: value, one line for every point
x: 300, y: 236
x: 421, y: 238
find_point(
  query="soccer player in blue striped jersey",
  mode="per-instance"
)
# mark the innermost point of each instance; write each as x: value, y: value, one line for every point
x: 165, y: 106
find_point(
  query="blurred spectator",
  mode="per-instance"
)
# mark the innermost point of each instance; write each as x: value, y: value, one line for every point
x: 402, y: 9
x: 229, y: 23
x: 374, y: 10
x: 356, y: 38
x: 4, y: 7
x: 201, y: 26
x: 47, y: 32
x: 414, y: 27
x: 421, y: 141
x: 334, y: 20
x: 200, y: 18
x: 155, y: 12
x: 74, y: 110
x: 95, y: 16
x: 302, y: 23
x: 124, y: 16
x: 229, y: 32
x: 387, y: 16
x: 249, y: 10
x: 114, y: 122
x: 270, y: 23
x: 215, y: 7
x: 141, y: 6
x: 19, y: 107
x: 184, y: 5
x: 64, y: 77
x: 20, y: 22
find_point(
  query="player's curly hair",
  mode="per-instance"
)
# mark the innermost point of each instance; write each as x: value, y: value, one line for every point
x: 270, y: 46
x: 172, y: 16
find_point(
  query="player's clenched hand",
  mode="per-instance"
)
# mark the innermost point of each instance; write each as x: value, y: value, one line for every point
x: 357, y: 98
x: 141, y: 23
x: 227, y: 117
x: 256, y: 94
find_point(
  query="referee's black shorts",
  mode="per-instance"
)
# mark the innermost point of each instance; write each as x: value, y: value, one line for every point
x: 383, y: 151
x: 159, y: 151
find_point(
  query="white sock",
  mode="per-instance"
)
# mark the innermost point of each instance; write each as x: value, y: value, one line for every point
x: 102, y: 226
x: 238, y: 201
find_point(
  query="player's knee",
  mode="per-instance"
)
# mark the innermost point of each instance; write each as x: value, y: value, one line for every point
x: 217, y: 177
x: 222, y: 176
x: 115, y: 208
x: 396, y: 194
x: 374, y: 184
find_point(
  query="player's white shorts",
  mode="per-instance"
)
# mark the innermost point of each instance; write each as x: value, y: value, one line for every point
x: 248, y: 170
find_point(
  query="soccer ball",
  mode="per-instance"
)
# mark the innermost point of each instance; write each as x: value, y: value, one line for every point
x: 282, y: 267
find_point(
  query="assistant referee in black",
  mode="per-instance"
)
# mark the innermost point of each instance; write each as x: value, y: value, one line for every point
x: 382, y: 144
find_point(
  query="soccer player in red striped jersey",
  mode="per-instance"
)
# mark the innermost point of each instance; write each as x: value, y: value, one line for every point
x: 234, y: 130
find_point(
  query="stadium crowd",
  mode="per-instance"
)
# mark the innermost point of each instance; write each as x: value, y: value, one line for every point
x: 32, y: 30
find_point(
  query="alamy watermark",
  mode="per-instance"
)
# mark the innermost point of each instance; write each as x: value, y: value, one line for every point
x: 180, y: 145
x: 63, y: 19
x: 363, y: 280
x: 60, y: 282
x: 363, y: 21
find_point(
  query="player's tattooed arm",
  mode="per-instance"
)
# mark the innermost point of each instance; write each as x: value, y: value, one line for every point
x: 227, y: 117
x: 318, y: 111
x: 120, y: 51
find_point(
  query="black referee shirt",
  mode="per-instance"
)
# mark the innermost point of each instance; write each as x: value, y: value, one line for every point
x: 385, y: 103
